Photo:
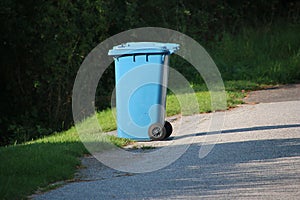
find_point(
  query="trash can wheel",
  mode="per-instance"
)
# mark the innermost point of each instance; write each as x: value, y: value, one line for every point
x: 157, y: 132
x: 169, y: 129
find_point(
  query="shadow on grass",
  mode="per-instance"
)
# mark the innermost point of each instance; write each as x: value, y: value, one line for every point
x: 26, y: 168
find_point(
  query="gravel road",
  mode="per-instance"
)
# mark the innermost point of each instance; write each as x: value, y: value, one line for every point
x: 257, y: 156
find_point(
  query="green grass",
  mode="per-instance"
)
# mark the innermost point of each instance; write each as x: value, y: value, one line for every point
x: 265, y: 55
x: 235, y: 92
x: 32, y: 166
x: 107, y: 119
x: 147, y: 147
x: 26, y: 168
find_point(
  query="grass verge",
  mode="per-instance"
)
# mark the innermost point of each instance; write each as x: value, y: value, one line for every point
x: 32, y: 166
x: 235, y: 92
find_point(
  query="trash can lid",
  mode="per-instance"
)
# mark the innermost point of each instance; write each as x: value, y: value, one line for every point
x: 143, y: 47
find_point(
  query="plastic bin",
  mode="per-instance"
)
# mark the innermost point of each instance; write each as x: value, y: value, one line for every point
x: 141, y: 75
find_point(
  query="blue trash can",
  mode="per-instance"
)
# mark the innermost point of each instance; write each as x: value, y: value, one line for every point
x: 141, y: 75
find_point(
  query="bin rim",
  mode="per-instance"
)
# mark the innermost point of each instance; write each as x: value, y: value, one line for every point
x: 131, y: 48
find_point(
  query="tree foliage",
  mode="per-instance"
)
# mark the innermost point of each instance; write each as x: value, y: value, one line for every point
x: 44, y: 42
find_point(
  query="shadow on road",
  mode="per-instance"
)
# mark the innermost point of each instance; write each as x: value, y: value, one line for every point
x: 255, y: 128
x: 261, y: 169
x: 248, y: 169
x: 240, y: 152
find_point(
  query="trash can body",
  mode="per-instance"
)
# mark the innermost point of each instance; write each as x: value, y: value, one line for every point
x: 141, y: 74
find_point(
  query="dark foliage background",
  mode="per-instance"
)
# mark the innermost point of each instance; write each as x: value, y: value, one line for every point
x: 43, y: 44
